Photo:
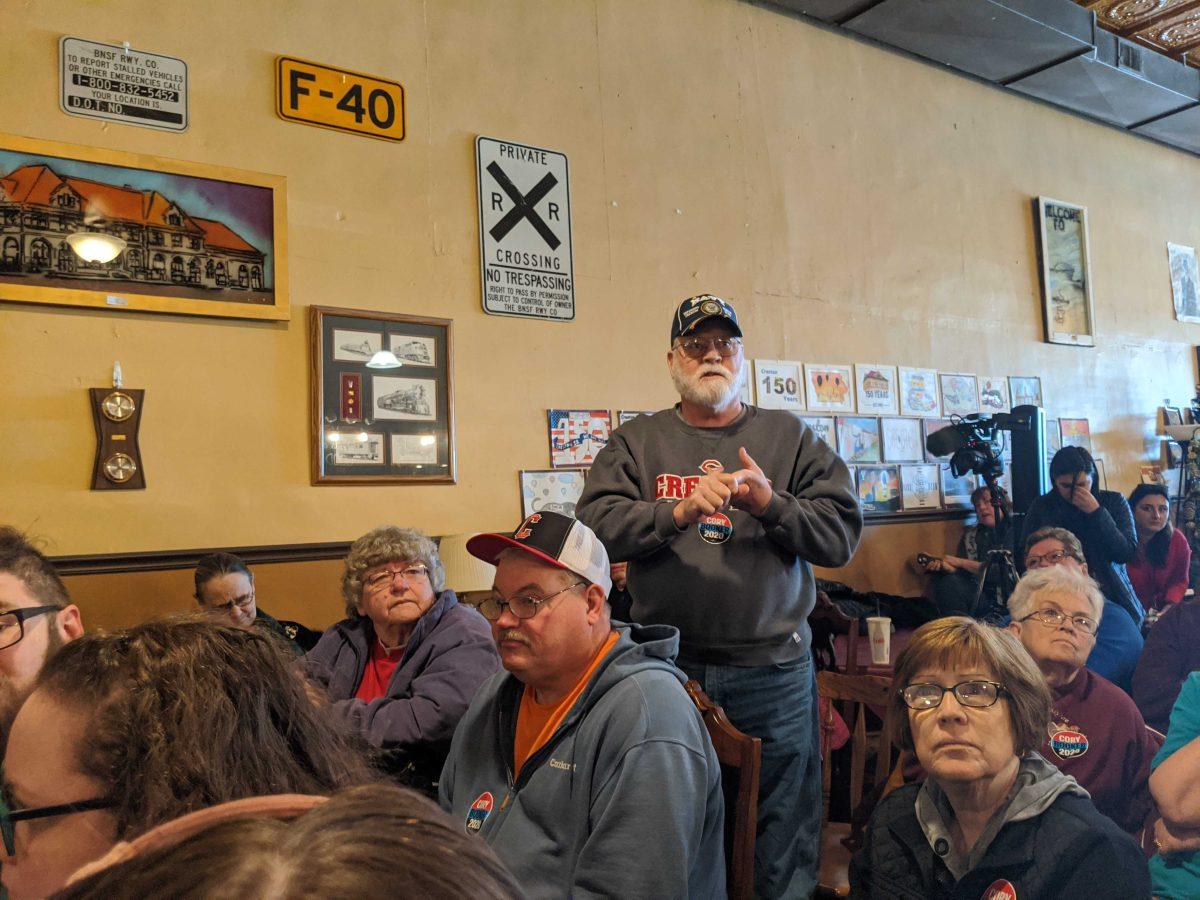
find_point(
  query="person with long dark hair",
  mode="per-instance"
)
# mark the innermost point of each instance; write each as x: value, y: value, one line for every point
x: 1159, y: 569
x: 1100, y: 519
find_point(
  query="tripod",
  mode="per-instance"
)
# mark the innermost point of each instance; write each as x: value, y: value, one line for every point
x: 991, y: 601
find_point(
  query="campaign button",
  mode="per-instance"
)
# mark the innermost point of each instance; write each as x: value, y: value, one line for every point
x: 479, y: 811
x: 1000, y: 889
x: 1068, y: 744
x: 715, y: 529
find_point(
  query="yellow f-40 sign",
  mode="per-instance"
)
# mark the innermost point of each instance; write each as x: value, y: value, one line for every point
x: 320, y: 95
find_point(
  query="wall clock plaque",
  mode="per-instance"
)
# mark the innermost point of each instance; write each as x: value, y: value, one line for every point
x: 117, y: 413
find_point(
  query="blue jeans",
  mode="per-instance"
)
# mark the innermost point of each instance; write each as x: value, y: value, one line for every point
x: 777, y: 703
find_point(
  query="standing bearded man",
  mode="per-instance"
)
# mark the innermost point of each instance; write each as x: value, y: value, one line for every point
x: 721, y: 509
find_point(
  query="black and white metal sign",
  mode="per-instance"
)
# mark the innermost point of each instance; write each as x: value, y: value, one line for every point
x: 112, y: 82
x: 524, y: 231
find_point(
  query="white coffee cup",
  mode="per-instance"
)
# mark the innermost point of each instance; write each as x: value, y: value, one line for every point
x: 879, y: 631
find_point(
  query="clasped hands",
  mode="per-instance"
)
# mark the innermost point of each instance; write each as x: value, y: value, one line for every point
x: 747, y: 489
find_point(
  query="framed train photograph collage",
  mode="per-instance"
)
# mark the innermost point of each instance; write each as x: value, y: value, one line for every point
x: 382, y: 399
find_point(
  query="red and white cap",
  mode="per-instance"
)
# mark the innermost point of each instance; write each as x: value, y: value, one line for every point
x: 555, y: 539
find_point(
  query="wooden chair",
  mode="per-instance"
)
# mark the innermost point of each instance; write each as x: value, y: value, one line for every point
x: 827, y: 622
x: 740, y: 756
x: 857, y: 692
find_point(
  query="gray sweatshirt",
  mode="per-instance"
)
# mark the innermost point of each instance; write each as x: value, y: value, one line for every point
x: 739, y: 589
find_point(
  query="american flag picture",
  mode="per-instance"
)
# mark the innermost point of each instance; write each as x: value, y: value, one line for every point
x: 577, y: 435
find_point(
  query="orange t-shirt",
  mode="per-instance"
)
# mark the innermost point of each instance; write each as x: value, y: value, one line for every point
x: 536, y: 723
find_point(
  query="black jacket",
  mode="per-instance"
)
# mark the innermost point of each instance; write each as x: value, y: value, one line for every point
x: 1068, y: 851
x: 1107, y: 535
x: 1170, y: 654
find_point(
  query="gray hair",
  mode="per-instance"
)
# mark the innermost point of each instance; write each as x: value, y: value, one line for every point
x: 1066, y: 538
x: 1054, y: 580
x: 388, y: 543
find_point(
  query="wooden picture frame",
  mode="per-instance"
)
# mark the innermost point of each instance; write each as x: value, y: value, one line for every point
x: 202, y: 240
x: 381, y: 426
x: 1068, y: 311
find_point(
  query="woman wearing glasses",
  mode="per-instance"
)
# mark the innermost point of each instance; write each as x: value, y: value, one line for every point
x: 993, y: 818
x: 403, y: 665
x: 225, y: 588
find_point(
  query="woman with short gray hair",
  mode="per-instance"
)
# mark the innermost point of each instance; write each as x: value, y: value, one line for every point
x: 403, y: 665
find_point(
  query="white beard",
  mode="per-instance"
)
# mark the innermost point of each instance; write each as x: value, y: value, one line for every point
x: 708, y: 393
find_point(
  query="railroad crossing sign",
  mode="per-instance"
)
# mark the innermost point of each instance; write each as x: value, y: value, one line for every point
x: 524, y: 231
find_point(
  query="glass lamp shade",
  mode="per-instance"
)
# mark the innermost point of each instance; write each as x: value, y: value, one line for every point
x: 464, y: 572
x: 94, y: 246
x: 384, y: 359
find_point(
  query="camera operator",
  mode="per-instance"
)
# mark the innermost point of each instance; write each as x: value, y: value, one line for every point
x: 954, y: 580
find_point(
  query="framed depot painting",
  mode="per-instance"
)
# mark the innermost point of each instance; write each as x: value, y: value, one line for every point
x: 960, y: 394
x: 386, y: 419
x: 858, y: 439
x: 1066, y: 273
x: 829, y: 387
x: 901, y: 439
x: 919, y: 392
x: 80, y: 226
x: 1026, y: 390
x: 875, y: 388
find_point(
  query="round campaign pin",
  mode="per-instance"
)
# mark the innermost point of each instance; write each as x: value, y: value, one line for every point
x: 710, y: 307
x: 479, y: 811
x: 1068, y: 744
x: 715, y: 529
x: 1000, y: 889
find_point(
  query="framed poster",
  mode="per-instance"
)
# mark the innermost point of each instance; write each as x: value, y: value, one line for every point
x: 1054, y: 440
x: 628, y: 415
x: 901, y: 439
x: 993, y: 394
x: 195, y: 239
x: 1066, y: 273
x: 576, y: 436
x: 380, y: 426
x: 778, y: 384
x: 551, y: 490
x: 1076, y: 433
x: 879, y: 489
x: 822, y: 427
x: 1185, y: 282
x: 919, y: 487
x: 828, y: 388
x: 875, y: 388
x: 1025, y: 390
x: 956, y: 491
x: 858, y: 439
x: 960, y: 394
x: 928, y: 427
x: 918, y: 390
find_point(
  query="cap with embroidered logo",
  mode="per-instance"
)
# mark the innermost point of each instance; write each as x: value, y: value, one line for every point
x: 702, y: 307
x: 555, y: 539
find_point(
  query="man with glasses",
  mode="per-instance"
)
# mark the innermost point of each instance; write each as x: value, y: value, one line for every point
x: 1118, y: 643
x: 585, y: 766
x: 1096, y: 733
x: 721, y: 509
x: 36, y: 618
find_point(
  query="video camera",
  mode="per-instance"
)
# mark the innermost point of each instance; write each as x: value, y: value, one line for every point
x: 971, y: 441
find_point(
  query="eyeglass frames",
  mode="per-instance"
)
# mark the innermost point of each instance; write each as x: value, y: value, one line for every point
x: 697, y: 348
x: 12, y: 623
x: 387, y: 576
x: 977, y: 693
x: 9, y: 817
x: 1053, y: 558
x: 522, y: 607
x: 1053, y: 618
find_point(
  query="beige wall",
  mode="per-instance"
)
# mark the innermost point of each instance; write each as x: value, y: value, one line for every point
x: 855, y: 204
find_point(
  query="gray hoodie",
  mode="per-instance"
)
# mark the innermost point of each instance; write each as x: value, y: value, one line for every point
x: 623, y: 801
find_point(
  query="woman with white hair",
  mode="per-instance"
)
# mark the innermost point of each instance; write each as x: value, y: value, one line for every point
x: 1096, y: 733
x: 403, y: 665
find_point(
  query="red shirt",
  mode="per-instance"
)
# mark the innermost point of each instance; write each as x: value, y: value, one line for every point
x: 378, y: 672
x: 1156, y: 586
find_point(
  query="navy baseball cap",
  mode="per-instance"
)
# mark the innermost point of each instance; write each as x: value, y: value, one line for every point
x: 555, y: 539
x: 700, y: 308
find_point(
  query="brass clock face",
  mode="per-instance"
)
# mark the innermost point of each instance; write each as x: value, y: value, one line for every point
x: 117, y: 406
x: 119, y: 468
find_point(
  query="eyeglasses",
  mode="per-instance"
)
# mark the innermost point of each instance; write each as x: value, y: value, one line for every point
x: 9, y: 817
x: 12, y: 623
x: 522, y: 607
x: 1053, y: 618
x: 243, y: 602
x: 1053, y: 558
x: 697, y: 348
x: 381, y: 579
x: 978, y: 694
